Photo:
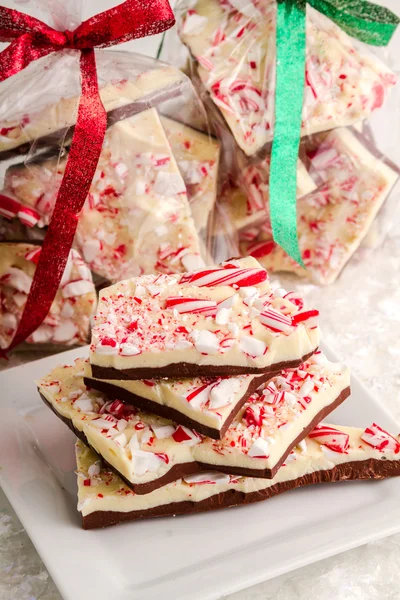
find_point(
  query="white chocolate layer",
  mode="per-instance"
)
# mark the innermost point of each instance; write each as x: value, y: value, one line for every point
x: 143, y: 447
x: 333, y: 220
x: 236, y: 56
x: 68, y: 320
x: 154, y: 321
x: 136, y: 218
x: 197, y: 156
x: 207, y: 401
x: 105, y: 491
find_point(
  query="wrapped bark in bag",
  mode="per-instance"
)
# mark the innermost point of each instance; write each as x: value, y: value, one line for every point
x: 88, y: 125
x: 137, y: 217
x: 233, y: 54
x: 68, y: 321
x: 334, y: 219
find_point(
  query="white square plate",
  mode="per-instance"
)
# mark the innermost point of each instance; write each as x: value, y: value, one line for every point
x: 201, y: 557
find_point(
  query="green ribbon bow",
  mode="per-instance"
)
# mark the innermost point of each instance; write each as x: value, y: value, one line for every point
x: 363, y: 20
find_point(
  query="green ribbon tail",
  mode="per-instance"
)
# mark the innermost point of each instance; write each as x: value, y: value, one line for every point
x: 290, y: 75
x: 361, y: 19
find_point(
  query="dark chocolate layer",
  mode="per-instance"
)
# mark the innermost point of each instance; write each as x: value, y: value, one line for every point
x: 175, y: 472
x: 270, y: 473
x: 115, y: 392
x: 355, y: 470
x: 193, y: 467
x: 182, y: 370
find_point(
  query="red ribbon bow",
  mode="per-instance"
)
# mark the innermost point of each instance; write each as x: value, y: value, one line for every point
x: 32, y: 39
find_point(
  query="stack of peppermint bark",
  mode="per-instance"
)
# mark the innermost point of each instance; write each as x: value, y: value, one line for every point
x: 206, y: 390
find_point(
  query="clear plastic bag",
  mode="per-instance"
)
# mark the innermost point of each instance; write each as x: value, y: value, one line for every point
x: 156, y: 181
x: 232, y: 55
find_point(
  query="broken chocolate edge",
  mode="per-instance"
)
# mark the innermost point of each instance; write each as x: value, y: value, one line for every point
x: 270, y: 473
x: 113, y: 392
x: 185, y: 469
x: 187, y: 370
x: 371, y: 468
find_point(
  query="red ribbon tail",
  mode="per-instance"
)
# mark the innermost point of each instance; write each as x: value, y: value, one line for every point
x: 19, y: 54
x: 81, y: 165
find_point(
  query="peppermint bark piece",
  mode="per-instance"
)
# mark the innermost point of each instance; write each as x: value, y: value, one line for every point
x: 136, y: 218
x: 333, y: 220
x: 149, y: 452
x: 207, y: 405
x: 121, y: 99
x: 218, y: 321
x: 68, y: 320
x: 265, y: 425
x: 30, y: 190
x: 236, y: 62
x: 197, y: 156
x: 104, y: 499
x: 248, y: 202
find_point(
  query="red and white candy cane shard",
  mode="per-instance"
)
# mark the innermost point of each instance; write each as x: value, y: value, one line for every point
x: 311, y: 316
x: 380, y: 439
x: 225, y: 276
x: 28, y: 216
x: 192, y: 305
x: 33, y: 255
x: 295, y: 299
x: 8, y: 207
x: 253, y: 415
x: 275, y: 320
x: 261, y: 249
x: 335, y: 440
x: 200, y: 393
x: 184, y: 434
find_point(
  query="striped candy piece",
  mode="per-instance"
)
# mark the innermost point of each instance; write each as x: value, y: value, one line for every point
x: 311, y: 316
x: 275, y: 320
x: 28, y: 216
x: 226, y: 276
x: 200, y: 395
x: 192, y: 305
x: 184, y: 435
x: 380, y: 439
x: 295, y: 299
x: 261, y: 249
x: 335, y: 440
x: 33, y: 255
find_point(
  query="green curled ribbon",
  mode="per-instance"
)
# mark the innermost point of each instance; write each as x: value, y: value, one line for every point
x: 363, y: 20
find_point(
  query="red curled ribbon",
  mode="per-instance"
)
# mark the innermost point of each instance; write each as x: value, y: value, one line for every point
x: 32, y: 39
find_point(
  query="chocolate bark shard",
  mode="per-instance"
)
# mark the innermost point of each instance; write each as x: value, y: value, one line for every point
x: 148, y: 451
x: 237, y: 54
x: 137, y: 217
x: 333, y: 220
x: 68, y: 320
x: 251, y: 207
x: 223, y: 320
x: 53, y: 125
x: 103, y: 498
x: 187, y: 401
x: 197, y: 156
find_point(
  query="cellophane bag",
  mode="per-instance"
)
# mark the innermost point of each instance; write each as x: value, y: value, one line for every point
x: 150, y: 199
x: 347, y: 170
